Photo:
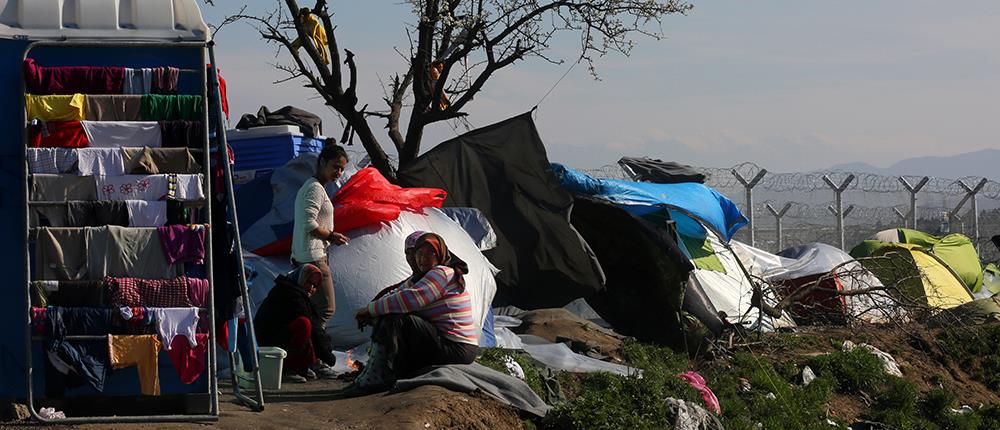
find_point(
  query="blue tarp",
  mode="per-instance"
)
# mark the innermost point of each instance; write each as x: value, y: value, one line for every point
x: 690, y: 204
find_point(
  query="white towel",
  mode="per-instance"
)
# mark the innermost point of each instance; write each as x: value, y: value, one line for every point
x: 171, y: 322
x: 100, y: 162
x: 142, y: 213
x: 51, y: 160
x: 149, y: 187
x: 115, y: 134
x: 137, y: 81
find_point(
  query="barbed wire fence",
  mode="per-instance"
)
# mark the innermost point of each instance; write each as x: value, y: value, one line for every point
x: 794, y: 208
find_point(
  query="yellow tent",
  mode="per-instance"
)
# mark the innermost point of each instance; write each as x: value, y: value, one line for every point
x: 917, y: 277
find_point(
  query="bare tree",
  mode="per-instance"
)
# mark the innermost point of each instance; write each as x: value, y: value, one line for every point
x: 456, y: 46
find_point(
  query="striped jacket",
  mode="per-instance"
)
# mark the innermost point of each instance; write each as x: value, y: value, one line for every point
x: 439, y: 298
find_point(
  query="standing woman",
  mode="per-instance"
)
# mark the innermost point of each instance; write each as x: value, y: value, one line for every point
x: 313, y: 230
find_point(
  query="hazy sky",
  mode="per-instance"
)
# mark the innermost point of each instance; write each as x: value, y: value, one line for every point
x: 790, y: 85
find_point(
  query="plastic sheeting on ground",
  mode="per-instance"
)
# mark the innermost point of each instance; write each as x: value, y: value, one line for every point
x: 561, y: 357
x: 373, y: 260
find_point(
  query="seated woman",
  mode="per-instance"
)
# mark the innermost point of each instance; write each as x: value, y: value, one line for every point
x: 427, y: 319
x: 288, y: 319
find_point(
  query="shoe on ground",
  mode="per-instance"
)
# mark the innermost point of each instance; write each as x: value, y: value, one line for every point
x: 310, y: 375
x: 293, y: 378
x: 323, y: 371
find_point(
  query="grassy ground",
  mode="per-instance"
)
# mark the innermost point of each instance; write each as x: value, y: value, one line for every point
x: 759, y: 386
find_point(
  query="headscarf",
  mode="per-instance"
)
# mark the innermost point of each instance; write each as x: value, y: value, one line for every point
x: 306, y: 274
x: 436, y: 242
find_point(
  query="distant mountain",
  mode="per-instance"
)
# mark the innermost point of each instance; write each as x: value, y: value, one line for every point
x: 985, y: 163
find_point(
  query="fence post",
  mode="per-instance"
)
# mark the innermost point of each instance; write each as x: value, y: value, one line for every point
x: 777, y: 220
x: 748, y: 185
x: 901, y: 216
x: 839, y: 210
x: 913, y: 196
x: 970, y: 194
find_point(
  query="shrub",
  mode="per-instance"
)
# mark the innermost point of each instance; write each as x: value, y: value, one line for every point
x: 856, y: 371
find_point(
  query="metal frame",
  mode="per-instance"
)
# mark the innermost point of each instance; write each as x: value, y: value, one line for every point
x: 257, y: 403
x: 213, y: 390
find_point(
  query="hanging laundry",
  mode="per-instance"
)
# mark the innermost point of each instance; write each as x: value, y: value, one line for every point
x: 198, y: 292
x: 138, y: 81
x: 74, y: 363
x: 160, y: 293
x: 314, y: 28
x: 56, y: 108
x: 156, y: 107
x: 182, y: 134
x: 171, y: 322
x: 188, y: 361
x: 58, y: 134
x: 69, y: 321
x: 80, y: 213
x: 183, y: 243
x: 143, y: 213
x: 223, y: 93
x: 51, y: 160
x: 165, y: 80
x: 61, y: 254
x: 115, y: 134
x: 100, y: 162
x: 127, y: 251
x: 113, y: 107
x: 67, y: 293
x: 150, y: 187
x: 151, y: 161
x: 72, y: 79
x: 141, y: 351
x: 48, y: 187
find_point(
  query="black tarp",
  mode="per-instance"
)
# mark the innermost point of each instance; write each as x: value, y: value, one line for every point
x: 660, y: 172
x: 503, y: 171
x: 310, y: 124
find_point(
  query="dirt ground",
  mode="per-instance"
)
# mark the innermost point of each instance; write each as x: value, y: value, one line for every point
x: 315, y: 405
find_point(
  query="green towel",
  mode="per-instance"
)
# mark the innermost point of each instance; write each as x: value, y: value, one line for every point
x: 159, y: 107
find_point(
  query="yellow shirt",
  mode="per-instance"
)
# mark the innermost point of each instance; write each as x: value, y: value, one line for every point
x: 56, y: 107
x: 318, y: 34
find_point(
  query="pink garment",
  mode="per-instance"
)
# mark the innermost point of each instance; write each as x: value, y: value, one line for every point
x: 183, y: 243
x: 72, y: 79
x: 697, y: 382
x: 188, y: 362
x: 198, y: 292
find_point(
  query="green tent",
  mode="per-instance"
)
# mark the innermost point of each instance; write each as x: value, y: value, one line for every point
x: 954, y: 250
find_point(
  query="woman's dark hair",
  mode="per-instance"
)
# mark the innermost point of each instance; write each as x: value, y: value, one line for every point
x: 331, y: 152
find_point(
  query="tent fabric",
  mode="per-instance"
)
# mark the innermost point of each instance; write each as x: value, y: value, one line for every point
x: 691, y: 205
x: 914, y: 275
x: 503, y: 171
x: 375, y: 260
x: 476, y: 224
x: 368, y: 198
x: 991, y: 281
x: 955, y: 250
x: 646, y: 169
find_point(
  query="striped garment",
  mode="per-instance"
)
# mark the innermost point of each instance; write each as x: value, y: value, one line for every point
x: 439, y: 298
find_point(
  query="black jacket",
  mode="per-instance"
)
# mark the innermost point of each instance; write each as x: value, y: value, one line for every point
x: 284, y: 304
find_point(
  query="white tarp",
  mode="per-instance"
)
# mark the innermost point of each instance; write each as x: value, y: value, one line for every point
x: 373, y: 260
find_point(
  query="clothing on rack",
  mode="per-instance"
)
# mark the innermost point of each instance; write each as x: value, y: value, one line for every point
x: 152, y: 161
x: 74, y: 363
x: 157, y: 107
x: 113, y: 107
x: 150, y: 187
x: 51, y: 160
x: 127, y: 251
x: 141, y: 351
x: 67, y: 293
x: 189, y: 362
x: 138, y: 81
x: 143, y: 213
x: 58, y: 134
x: 182, y: 134
x: 72, y: 79
x: 164, y: 293
x: 61, y: 254
x: 100, y: 162
x: 165, y: 80
x: 81, y: 213
x: 68, y: 321
x: 122, y: 134
x: 48, y: 187
x: 198, y: 292
x: 56, y: 107
x: 183, y: 243
x: 171, y: 322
